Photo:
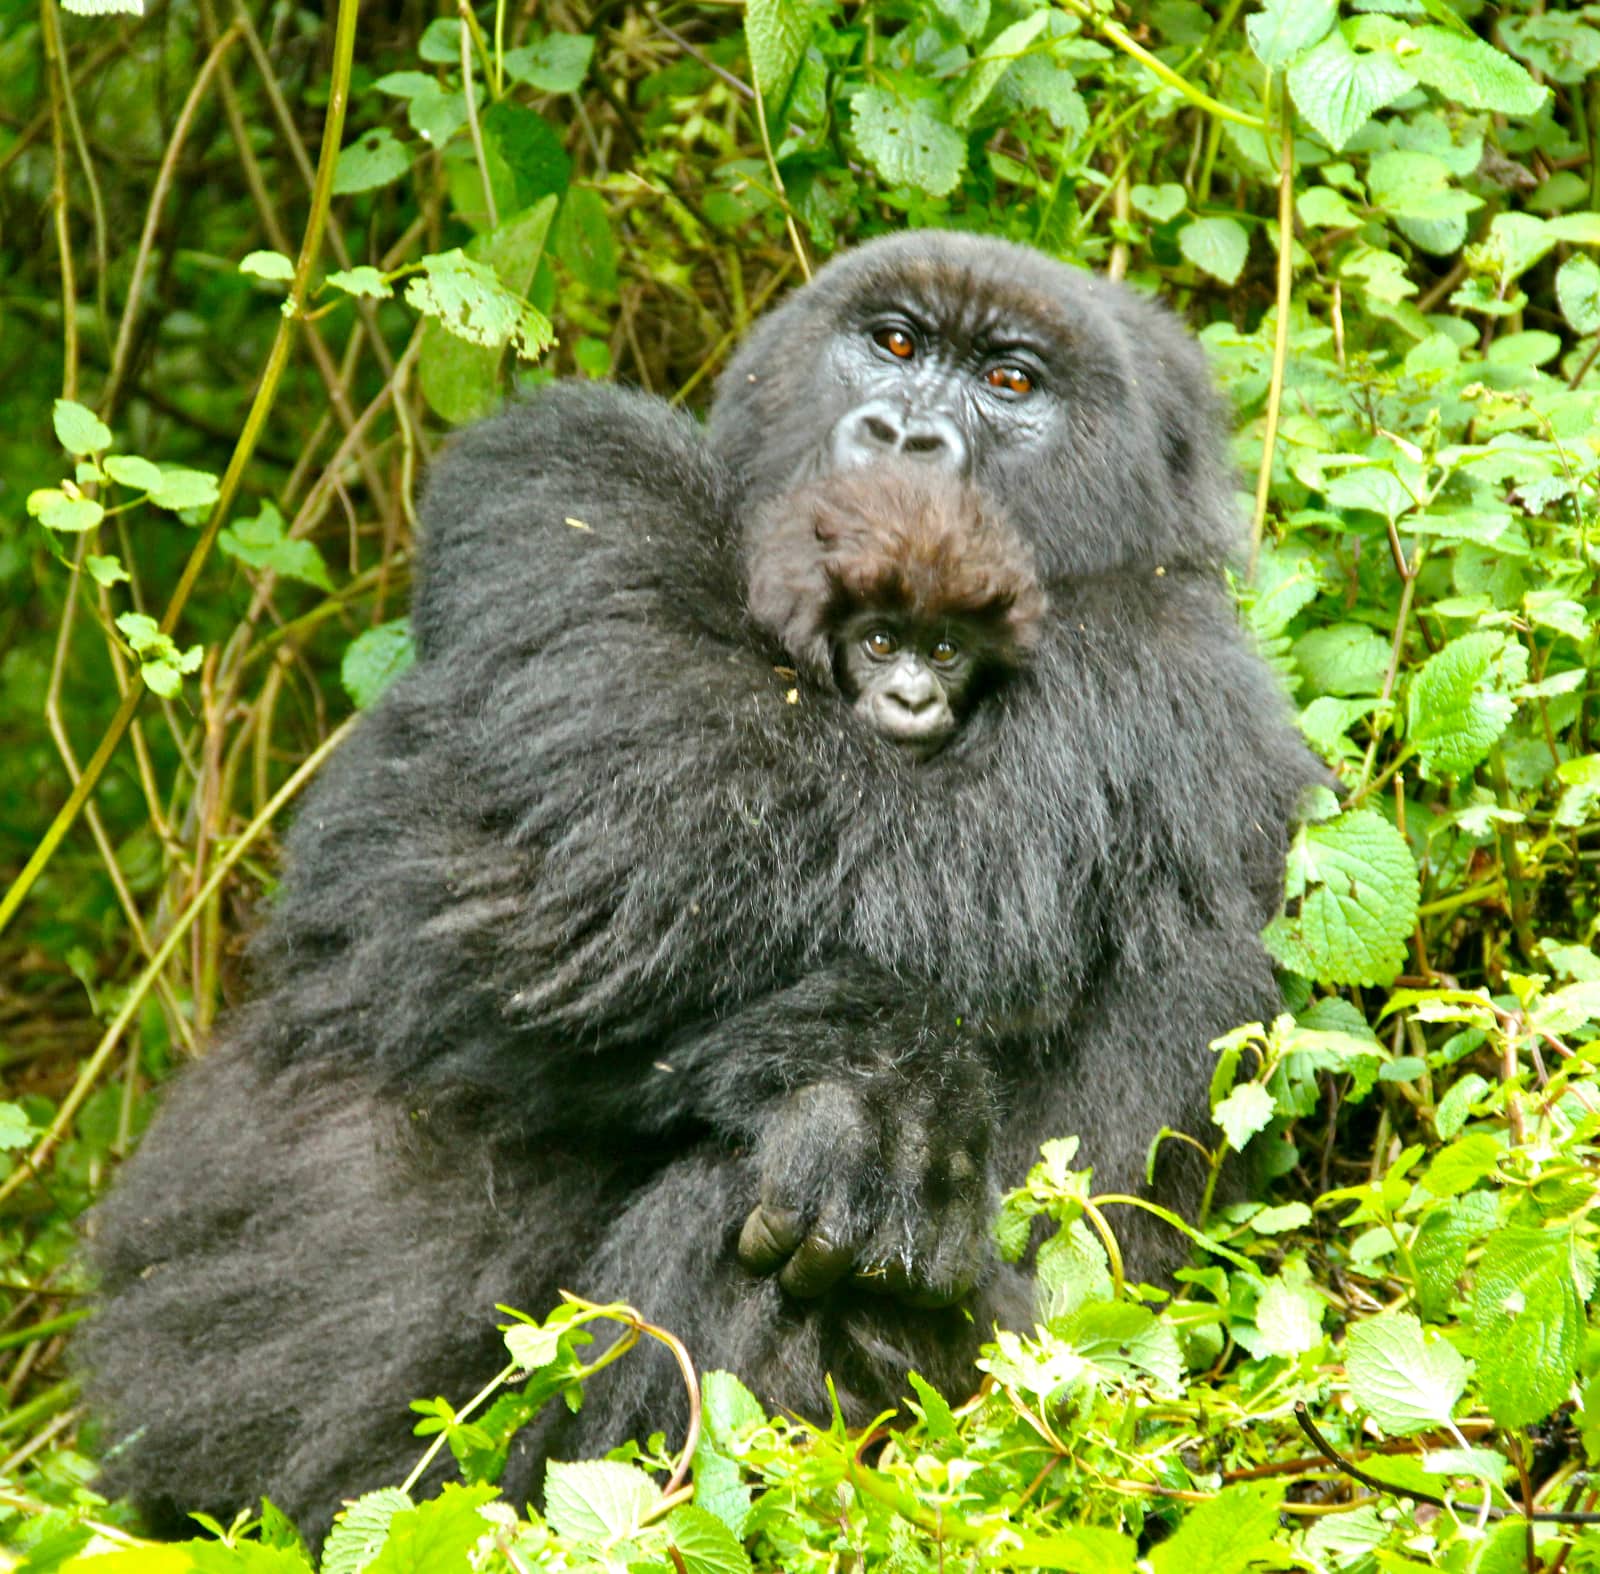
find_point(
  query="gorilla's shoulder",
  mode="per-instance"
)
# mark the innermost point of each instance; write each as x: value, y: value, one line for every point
x: 524, y: 510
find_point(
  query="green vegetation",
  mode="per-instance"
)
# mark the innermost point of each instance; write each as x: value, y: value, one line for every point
x: 256, y: 262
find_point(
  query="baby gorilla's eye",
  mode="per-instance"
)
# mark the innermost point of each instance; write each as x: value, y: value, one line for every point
x: 945, y: 652
x: 896, y: 341
x: 1009, y: 379
x: 881, y: 643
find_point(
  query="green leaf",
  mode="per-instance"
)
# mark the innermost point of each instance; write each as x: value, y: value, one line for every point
x: 1356, y: 882
x: 1348, y: 658
x: 1219, y: 247
x: 56, y: 510
x: 179, y: 489
x: 730, y: 1407
x: 937, y: 1415
x: 268, y: 265
x: 407, y: 84
x: 1284, y: 29
x: 1245, y: 1111
x: 1460, y: 1166
x: 263, y: 543
x: 1227, y: 1535
x: 556, y: 64
x: 373, y: 161
x: 1458, y: 704
x: 1474, y: 74
x: 130, y: 470
x: 1578, y: 291
x: 597, y: 1500
x: 584, y: 242
x: 16, y: 1130
x: 1338, y: 91
x: 1159, y: 202
x: 1407, y: 1378
x: 105, y: 570
x: 1528, y: 1322
x: 460, y: 378
x: 358, y: 1531
x: 531, y: 1346
x: 983, y: 75
x: 437, y: 115
x: 375, y: 659
x: 80, y: 430
x: 440, y: 44
x: 906, y: 141
x: 360, y: 281
x: 704, y: 1543
x: 437, y: 1535
x: 1288, y: 1320
x: 1439, y: 1251
x: 1454, y: 1108
x: 776, y: 33
x: 467, y: 298
x: 1416, y: 186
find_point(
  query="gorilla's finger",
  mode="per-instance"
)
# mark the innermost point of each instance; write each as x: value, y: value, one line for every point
x: 819, y: 1263
x: 768, y: 1238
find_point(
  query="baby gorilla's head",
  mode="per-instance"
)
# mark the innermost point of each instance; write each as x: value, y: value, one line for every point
x: 903, y: 587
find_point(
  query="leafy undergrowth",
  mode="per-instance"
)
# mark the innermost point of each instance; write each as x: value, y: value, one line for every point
x: 1385, y: 225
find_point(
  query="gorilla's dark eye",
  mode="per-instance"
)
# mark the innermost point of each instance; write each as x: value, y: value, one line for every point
x: 896, y: 341
x: 1010, y: 379
x: 944, y: 653
x: 881, y: 643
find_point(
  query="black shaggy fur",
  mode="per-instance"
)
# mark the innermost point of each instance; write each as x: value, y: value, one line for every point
x: 590, y: 944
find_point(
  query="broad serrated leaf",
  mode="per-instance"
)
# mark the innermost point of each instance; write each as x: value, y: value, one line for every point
x: 776, y: 33
x: 264, y: 543
x: 704, y: 1543
x: 78, y: 429
x: 16, y: 1130
x: 1406, y: 1378
x: 1459, y: 703
x: 1470, y: 72
x: 1416, y: 186
x: 1244, y: 1112
x: 597, y: 1500
x: 1226, y: 1535
x: 373, y: 161
x: 1459, y: 1167
x: 906, y: 141
x: 1578, y: 291
x: 103, y: 7
x: 1528, y: 1321
x: 1219, y: 247
x: 467, y: 299
x: 1284, y: 29
x: 729, y: 1407
x: 1071, y: 1269
x: 556, y: 64
x: 359, y: 1530
x: 584, y: 242
x: 1348, y: 658
x: 1288, y: 1320
x: 436, y: 1535
x: 375, y: 659
x: 983, y: 75
x: 1337, y: 91
x: 69, y: 516
x: 1356, y: 882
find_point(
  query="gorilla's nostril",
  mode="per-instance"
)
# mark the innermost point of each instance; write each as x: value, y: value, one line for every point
x: 924, y: 443
x: 883, y: 432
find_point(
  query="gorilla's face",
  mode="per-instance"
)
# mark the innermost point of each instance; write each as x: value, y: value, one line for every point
x: 1070, y: 405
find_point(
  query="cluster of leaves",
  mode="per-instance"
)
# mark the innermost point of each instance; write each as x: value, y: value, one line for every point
x: 1384, y: 221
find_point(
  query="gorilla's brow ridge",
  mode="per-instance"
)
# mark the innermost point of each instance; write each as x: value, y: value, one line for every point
x: 973, y: 307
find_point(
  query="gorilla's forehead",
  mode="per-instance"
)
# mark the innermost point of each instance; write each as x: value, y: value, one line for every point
x: 973, y: 289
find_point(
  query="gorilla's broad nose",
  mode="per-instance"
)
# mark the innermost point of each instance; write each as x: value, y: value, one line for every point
x: 878, y: 429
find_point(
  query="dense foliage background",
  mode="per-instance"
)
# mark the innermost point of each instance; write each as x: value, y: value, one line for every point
x: 256, y: 262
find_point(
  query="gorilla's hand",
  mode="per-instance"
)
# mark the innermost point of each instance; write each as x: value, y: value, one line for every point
x: 883, y: 1184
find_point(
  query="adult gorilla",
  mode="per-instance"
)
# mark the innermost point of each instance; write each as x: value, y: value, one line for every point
x: 600, y: 965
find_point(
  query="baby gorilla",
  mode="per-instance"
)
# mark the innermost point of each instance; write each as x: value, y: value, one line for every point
x: 901, y: 587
